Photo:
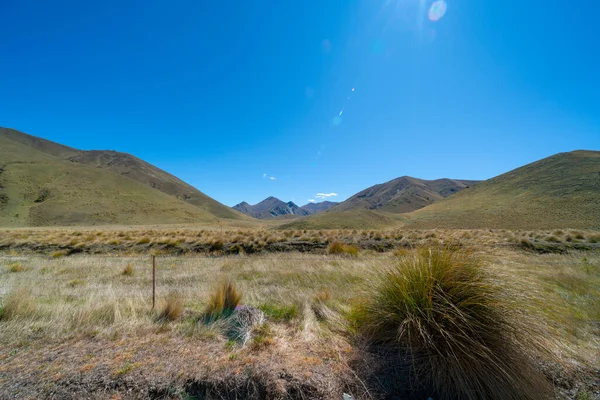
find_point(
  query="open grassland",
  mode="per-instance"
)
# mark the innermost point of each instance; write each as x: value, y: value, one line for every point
x: 227, y: 240
x: 83, y: 325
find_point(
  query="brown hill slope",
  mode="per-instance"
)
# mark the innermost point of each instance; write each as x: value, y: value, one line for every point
x: 561, y: 191
x: 403, y: 195
x: 126, y: 165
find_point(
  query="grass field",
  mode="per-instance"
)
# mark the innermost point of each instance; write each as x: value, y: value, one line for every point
x: 82, y: 324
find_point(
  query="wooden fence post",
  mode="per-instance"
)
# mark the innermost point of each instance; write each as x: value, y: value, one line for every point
x: 153, y: 281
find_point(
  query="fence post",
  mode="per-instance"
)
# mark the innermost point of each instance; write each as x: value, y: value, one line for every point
x: 153, y: 281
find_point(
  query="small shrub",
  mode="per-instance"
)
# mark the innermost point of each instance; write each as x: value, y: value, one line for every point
x: 128, y: 270
x: 223, y: 301
x: 440, y: 306
x: 172, y: 309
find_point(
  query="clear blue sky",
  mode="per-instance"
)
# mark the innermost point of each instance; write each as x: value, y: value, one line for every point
x: 221, y: 93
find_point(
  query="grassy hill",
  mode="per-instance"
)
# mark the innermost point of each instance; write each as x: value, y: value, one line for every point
x: 403, y: 195
x: 355, y: 219
x: 126, y: 165
x: 557, y: 192
x: 39, y: 189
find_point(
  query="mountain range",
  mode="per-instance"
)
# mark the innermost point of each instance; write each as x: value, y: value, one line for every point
x: 404, y: 194
x: 44, y: 183
x: 272, y: 207
x: 560, y: 191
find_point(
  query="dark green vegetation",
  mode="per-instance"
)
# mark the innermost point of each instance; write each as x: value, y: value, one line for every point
x: 557, y: 192
x: 43, y: 183
x: 403, y: 195
x: 440, y: 310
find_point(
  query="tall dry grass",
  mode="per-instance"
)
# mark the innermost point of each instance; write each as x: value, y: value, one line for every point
x: 446, y: 312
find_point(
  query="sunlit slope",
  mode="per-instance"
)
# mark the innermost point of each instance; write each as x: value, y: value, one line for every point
x: 559, y: 191
x: 37, y: 189
x: 129, y: 166
x: 355, y: 219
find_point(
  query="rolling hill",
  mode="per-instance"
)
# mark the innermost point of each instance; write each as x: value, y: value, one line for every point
x: 270, y: 207
x: 355, y: 219
x: 561, y: 191
x: 314, y: 208
x: 403, y: 195
x: 40, y: 184
x: 126, y: 165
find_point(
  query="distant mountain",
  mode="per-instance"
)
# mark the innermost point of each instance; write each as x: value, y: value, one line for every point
x: 403, y: 195
x: 45, y: 183
x: 561, y: 191
x: 126, y: 165
x: 314, y: 208
x: 269, y: 208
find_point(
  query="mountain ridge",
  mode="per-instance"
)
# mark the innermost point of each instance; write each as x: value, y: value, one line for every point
x: 270, y: 207
x: 403, y: 194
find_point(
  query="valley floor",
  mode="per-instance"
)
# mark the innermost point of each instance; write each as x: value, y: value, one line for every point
x: 81, y: 325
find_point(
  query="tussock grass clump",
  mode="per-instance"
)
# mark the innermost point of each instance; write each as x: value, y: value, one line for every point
x: 594, y: 238
x: 553, y: 239
x: 172, y: 308
x: 16, y: 267
x: 19, y: 304
x: 342, y: 249
x: 59, y: 253
x: 441, y: 308
x: 128, y: 270
x: 223, y: 301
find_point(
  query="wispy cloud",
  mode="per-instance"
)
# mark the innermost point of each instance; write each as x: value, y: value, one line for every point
x: 323, y: 196
x: 311, y: 200
x: 264, y: 175
x: 272, y: 178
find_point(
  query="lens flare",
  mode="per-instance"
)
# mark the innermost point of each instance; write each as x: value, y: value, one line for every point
x: 437, y: 10
x: 337, y: 121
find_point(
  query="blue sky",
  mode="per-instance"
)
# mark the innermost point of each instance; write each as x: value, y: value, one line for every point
x: 226, y: 95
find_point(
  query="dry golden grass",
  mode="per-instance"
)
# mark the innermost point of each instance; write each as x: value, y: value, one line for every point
x: 59, y: 242
x: 306, y: 298
x: 172, y: 308
x: 223, y: 301
x: 443, y: 309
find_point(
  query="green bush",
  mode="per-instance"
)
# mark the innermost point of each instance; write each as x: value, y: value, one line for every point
x: 442, y: 308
